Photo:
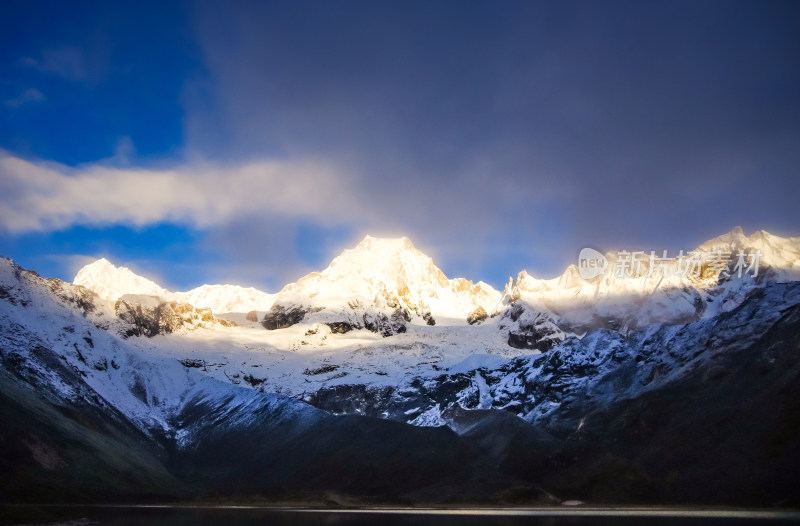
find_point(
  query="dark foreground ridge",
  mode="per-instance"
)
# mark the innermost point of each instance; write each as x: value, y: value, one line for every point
x: 202, y: 514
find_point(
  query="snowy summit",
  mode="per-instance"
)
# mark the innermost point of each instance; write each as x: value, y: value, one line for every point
x: 111, y: 283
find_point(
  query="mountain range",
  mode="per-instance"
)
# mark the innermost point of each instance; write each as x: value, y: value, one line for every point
x: 110, y: 283
x: 379, y: 379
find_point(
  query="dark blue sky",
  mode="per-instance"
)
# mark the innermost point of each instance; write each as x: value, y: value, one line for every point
x: 250, y: 142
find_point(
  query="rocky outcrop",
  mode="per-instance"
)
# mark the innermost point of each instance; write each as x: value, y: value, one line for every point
x: 532, y: 330
x: 341, y: 327
x: 530, y: 339
x: 352, y: 317
x: 280, y: 317
x: 149, y: 316
x: 477, y: 316
x: 384, y: 325
x: 375, y: 322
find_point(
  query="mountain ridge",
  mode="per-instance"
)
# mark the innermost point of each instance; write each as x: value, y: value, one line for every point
x: 111, y: 283
x: 387, y: 285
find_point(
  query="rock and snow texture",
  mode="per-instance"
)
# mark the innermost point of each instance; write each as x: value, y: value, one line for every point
x: 111, y: 283
x: 45, y: 319
x: 312, y: 354
x: 581, y: 376
x: 383, y: 315
x: 383, y: 277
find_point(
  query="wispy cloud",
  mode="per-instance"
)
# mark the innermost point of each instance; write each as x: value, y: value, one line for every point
x: 48, y: 196
x: 29, y: 95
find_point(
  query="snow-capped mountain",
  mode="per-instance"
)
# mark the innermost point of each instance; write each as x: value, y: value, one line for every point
x: 635, y: 293
x: 387, y: 286
x: 780, y: 256
x: 111, y: 283
x: 91, y: 416
x: 629, y: 401
x: 380, y: 281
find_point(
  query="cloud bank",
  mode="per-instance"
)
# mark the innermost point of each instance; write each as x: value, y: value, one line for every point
x: 48, y: 196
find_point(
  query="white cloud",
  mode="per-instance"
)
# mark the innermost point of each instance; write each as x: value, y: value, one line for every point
x: 29, y: 95
x: 47, y: 196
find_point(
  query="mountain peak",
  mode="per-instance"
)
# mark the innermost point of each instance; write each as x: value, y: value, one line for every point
x: 385, y: 245
x: 736, y: 237
x: 388, y: 271
x: 100, y: 263
x: 111, y: 282
x: 384, y: 260
x: 778, y: 251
